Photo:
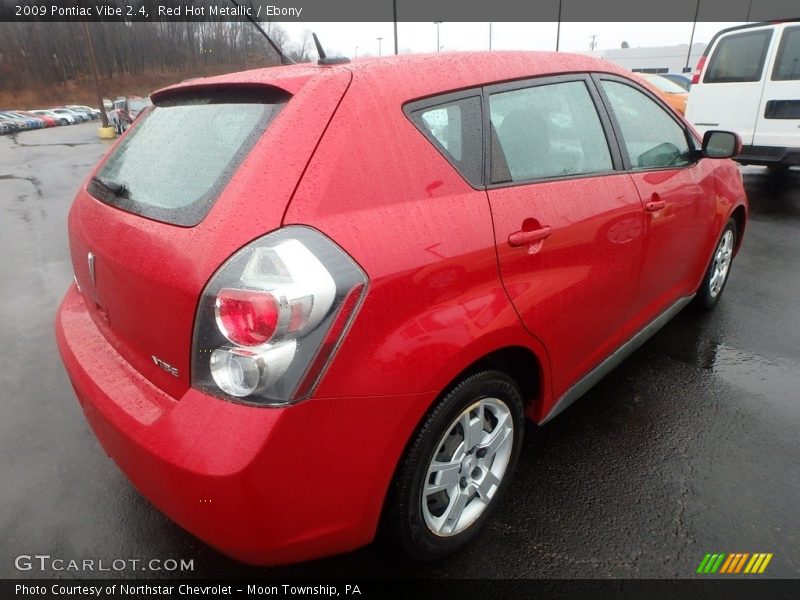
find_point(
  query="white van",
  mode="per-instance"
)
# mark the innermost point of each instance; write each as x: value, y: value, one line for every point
x: 748, y: 81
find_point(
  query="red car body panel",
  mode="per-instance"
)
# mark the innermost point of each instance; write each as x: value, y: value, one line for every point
x: 445, y: 291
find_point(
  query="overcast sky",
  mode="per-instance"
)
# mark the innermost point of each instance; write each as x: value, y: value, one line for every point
x: 344, y: 38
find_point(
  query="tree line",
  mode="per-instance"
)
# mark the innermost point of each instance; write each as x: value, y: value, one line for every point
x: 38, y: 53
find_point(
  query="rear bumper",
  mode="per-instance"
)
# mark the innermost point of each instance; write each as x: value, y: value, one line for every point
x: 768, y: 155
x: 265, y: 486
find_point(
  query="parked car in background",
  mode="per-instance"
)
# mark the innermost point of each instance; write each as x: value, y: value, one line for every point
x: 315, y: 302
x: 137, y: 105
x: 31, y: 122
x: 46, y: 119
x: 120, y: 117
x: 674, y: 94
x: 92, y: 113
x: 82, y: 115
x: 19, y: 122
x: 70, y: 115
x: 678, y: 79
x: 7, y: 127
x: 60, y: 119
x: 748, y: 81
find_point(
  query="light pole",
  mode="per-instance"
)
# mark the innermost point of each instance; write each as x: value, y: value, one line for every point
x: 379, y: 45
x: 490, y: 35
x: 691, y: 38
x: 437, y: 23
x: 558, y: 30
x: 394, y: 15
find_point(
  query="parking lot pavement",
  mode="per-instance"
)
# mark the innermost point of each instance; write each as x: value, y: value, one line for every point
x: 690, y: 446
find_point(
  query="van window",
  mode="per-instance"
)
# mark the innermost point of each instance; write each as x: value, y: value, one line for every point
x: 548, y: 130
x: 454, y: 128
x: 650, y: 136
x: 739, y: 57
x: 174, y: 163
x: 787, y: 63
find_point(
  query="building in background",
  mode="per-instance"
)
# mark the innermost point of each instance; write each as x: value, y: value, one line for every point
x: 658, y: 59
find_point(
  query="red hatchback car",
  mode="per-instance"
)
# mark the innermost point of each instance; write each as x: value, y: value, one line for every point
x: 316, y: 302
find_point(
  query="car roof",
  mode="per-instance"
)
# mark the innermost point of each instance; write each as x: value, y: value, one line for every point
x: 418, y: 74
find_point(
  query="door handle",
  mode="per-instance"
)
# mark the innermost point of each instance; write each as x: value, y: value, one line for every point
x: 524, y: 238
x: 655, y: 205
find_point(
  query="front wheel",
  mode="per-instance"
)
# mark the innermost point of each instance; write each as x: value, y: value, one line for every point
x: 717, y: 274
x: 457, y: 467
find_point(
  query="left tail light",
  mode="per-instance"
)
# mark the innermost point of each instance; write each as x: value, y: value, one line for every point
x: 271, y: 318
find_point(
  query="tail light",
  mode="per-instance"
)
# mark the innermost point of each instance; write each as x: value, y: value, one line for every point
x: 271, y: 318
x: 698, y: 70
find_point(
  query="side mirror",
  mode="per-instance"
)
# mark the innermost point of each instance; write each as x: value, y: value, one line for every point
x: 721, y: 144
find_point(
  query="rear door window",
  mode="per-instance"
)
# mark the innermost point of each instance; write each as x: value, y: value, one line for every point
x: 173, y: 165
x: 544, y: 131
x: 787, y: 63
x: 739, y: 58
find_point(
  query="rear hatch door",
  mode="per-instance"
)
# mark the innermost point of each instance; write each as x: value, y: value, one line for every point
x: 210, y: 167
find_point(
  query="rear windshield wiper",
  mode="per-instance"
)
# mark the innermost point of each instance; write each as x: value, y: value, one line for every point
x: 116, y: 189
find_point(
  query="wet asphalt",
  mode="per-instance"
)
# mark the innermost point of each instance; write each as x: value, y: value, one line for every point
x: 690, y: 446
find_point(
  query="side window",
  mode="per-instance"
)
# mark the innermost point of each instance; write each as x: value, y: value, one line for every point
x: 787, y: 63
x: 454, y: 128
x: 739, y: 57
x: 650, y: 136
x: 550, y: 130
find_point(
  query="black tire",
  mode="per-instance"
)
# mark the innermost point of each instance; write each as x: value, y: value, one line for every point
x: 404, y: 523
x: 708, y: 295
x: 63, y: 122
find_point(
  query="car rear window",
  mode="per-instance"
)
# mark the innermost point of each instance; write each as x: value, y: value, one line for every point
x: 173, y: 165
x: 739, y: 58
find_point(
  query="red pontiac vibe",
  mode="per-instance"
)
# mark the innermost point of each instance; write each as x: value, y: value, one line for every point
x: 313, y: 303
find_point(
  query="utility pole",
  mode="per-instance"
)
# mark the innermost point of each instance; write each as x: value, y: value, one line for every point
x: 558, y: 29
x: 691, y: 38
x: 95, y: 76
x: 490, y: 35
x: 379, y: 45
x: 394, y: 9
x: 437, y: 23
x: 593, y: 43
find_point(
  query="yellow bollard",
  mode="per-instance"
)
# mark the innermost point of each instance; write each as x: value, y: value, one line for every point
x: 106, y: 133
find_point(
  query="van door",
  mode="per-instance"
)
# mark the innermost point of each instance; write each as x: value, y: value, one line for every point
x: 778, y: 123
x: 729, y: 93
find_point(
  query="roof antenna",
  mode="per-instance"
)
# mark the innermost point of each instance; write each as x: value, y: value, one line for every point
x: 323, y: 58
x: 285, y: 60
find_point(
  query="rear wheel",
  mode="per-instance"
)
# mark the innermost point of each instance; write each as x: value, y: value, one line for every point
x: 457, y: 468
x: 717, y: 274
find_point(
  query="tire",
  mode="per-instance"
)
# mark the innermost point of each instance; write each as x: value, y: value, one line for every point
x: 720, y: 267
x: 429, y: 524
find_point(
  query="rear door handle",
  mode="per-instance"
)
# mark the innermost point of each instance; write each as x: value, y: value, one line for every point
x: 524, y: 238
x: 655, y: 205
